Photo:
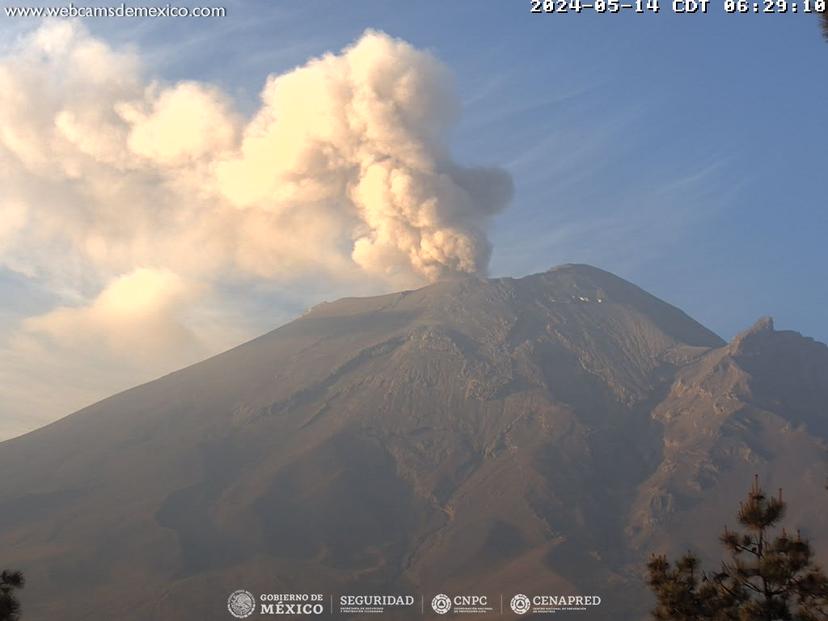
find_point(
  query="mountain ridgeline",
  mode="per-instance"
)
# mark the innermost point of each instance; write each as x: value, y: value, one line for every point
x: 534, y: 435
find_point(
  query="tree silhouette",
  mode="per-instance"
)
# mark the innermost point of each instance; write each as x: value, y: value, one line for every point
x: 766, y: 579
x: 10, y: 581
x: 824, y: 19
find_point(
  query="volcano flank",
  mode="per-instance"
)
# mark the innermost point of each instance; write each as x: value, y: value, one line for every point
x: 534, y: 435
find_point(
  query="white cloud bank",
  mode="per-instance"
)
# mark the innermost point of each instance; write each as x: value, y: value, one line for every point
x: 135, y: 198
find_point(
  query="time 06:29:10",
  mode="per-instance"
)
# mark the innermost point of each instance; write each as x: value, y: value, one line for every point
x: 774, y: 6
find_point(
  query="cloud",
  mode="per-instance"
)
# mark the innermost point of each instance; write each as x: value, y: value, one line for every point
x: 12, y: 221
x: 342, y: 173
x: 359, y: 143
x: 137, y: 202
x: 135, y: 317
x: 179, y: 125
x: 134, y: 330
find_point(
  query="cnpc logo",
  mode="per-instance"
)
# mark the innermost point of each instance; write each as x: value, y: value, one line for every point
x: 442, y: 604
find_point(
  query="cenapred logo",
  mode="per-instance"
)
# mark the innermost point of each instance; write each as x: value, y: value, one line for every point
x: 441, y: 604
x: 520, y: 604
x: 550, y: 604
x: 241, y: 604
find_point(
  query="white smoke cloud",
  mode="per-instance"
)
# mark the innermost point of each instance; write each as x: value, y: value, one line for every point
x: 180, y: 125
x: 132, y: 198
x: 359, y: 141
x: 342, y: 172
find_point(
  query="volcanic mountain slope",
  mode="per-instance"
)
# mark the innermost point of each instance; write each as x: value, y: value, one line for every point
x: 542, y: 434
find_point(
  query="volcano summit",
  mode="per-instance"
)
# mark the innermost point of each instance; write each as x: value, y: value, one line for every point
x: 533, y: 435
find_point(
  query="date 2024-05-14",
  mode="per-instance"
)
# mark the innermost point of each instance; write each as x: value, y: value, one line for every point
x: 677, y: 6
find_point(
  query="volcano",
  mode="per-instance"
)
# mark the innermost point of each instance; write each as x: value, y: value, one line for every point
x: 536, y: 435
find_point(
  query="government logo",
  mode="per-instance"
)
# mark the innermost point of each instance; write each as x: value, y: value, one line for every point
x: 241, y: 604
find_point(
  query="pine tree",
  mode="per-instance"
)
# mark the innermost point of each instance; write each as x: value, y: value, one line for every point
x: 767, y: 578
x: 10, y: 581
x: 684, y: 593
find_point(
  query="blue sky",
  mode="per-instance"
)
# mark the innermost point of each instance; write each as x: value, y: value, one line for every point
x: 685, y: 153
